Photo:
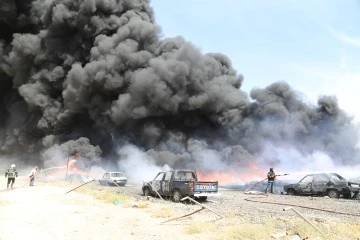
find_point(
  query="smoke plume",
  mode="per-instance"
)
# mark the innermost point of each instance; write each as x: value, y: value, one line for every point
x: 94, y: 77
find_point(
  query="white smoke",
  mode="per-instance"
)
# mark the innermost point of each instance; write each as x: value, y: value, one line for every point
x: 289, y: 160
x: 137, y: 165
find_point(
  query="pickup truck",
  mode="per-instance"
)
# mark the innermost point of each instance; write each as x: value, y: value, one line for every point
x: 113, y: 179
x: 178, y: 184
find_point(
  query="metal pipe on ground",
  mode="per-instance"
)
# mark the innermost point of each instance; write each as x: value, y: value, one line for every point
x: 156, y: 191
x: 186, y: 215
x: 97, y: 182
x: 202, y: 205
x: 120, y: 187
x: 80, y: 186
x: 288, y: 208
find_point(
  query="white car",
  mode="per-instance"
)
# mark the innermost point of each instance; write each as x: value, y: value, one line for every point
x: 113, y: 179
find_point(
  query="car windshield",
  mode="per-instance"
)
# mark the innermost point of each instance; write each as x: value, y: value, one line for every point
x: 117, y: 174
x: 307, y: 179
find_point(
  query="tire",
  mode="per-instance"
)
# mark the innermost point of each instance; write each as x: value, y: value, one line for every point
x: 203, y: 198
x: 176, y: 196
x: 347, y: 195
x: 291, y: 192
x: 146, y: 192
x: 333, y: 193
x: 357, y: 195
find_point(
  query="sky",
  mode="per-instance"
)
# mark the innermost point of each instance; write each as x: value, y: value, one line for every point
x: 312, y: 45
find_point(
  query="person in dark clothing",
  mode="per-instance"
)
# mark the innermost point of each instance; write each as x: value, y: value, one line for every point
x: 11, y: 173
x: 271, y: 179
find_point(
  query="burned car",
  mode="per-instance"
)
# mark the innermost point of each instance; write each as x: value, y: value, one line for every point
x: 178, y: 184
x: 331, y: 184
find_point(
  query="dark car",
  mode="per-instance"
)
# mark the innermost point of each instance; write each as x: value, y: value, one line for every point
x: 331, y: 184
x: 178, y: 184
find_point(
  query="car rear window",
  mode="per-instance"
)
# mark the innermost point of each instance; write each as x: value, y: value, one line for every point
x: 184, y: 175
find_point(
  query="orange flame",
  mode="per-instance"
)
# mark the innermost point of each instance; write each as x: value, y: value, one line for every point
x: 242, y: 174
x: 69, y: 168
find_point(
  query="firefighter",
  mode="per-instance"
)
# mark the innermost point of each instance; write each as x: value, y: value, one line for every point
x: 271, y: 179
x: 32, y: 176
x: 11, y: 173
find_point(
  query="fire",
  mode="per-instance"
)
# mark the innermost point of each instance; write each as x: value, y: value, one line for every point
x: 69, y: 167
x: 240, y: 174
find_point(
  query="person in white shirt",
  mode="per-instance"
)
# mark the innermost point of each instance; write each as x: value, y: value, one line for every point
x: 32, y: 175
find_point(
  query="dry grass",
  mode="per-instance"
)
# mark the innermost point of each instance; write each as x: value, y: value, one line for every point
x: 233, y: 229
x: 142, y: 204
x: 236, y: 229
x: 159, y: 211
x: 110, y: 196
x: 346, y: 230
x: 4, y: 203
x: 107, y: 195
x: 200, y: 227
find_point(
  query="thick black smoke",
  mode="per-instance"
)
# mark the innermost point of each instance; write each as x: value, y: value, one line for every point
x: 91, y: 76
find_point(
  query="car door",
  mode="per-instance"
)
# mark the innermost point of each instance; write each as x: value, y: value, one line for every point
x: 106, y: 179
x: 319, y: 184
x: 165, y: 184
x: 156, y: 183
x: 305, y: 185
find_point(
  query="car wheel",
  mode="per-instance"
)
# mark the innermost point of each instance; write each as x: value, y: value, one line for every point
x: 146, y: 192
x: 176, y: 196
x: 203, y: 198
x: 347, y: 195
x: 357, y: 195
x: 291, y: 192
x: 333, y: 193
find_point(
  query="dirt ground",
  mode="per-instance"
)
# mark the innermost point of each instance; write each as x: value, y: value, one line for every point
x: 46, y: 211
